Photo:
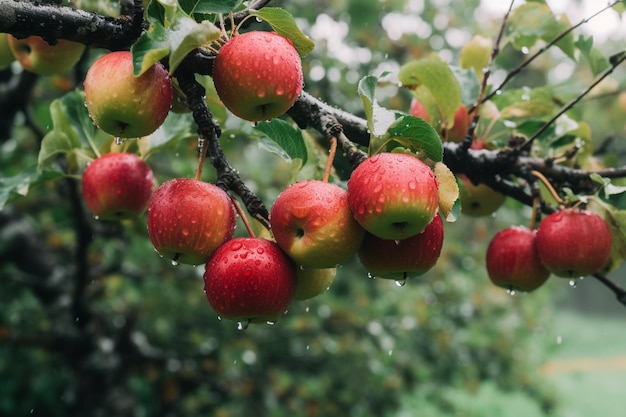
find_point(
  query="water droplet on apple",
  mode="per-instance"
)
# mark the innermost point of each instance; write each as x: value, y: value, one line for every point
x: 400, y: 282
x: 271, y: 322
x: 572, y: 283
x: 119, y: 141
x: 243, y: 325
x: 219, y: 318
x: 510, y: 291
x: 235, y: 246
x: 280, y: 91
x: 397, y: 242
x: 370, y: 276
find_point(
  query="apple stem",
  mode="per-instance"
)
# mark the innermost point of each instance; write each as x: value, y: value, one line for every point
x: 202, y: 145
x: 549, y: 186
x: 533, y: 216
x: 242, y: 214
x: 331, y: 157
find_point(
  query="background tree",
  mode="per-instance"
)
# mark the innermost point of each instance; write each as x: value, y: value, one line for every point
x: 93, y: 322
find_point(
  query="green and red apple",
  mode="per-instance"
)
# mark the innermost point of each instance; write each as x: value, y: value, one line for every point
x: 478, y: 200
x: 402, y: 259
x: 258, y: 75
x: 6, y: 55
x: 125, y: 105
x: 512, y: 260
x: 311, y: 282
x: 40, y: 57
x: 117, y: 186
x: 189, y: 219
x: 393, y: 195
x: 573, y: 243
x: 312, y: 222
x: 250, y: 280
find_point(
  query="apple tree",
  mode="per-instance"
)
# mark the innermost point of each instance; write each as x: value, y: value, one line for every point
x: 176, y: 172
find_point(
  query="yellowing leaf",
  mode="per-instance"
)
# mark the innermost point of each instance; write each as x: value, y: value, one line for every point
x: 448, y: 191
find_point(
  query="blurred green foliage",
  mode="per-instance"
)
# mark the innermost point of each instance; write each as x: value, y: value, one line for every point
x: 445, y: 344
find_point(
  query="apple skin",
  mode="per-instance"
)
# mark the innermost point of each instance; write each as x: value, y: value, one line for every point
x: 250, y: 280
x: 36, y: 55
x: 573, y: 243
x: 117, y: 186
x: 312, y: 222
x: 189, y: 219
x: 417, y: 109
x: 311, y: 282
x: 6, y: 55
x: 123, y: 105
x: 512, y: 260
x: 393, y: 195
x: 402, y: 259
x: 479, y: 200
x: 462, y: 122
x: 258, y: 75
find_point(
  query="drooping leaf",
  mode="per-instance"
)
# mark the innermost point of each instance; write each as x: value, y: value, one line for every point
x: 285, y: 25
x: 435, y: 75
x: 152, y: 46
x: 448, y: 192
x: 283, y: 139
x: 616, y: 220
x: 416, y: 134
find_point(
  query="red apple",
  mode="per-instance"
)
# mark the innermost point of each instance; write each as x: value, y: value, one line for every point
x: 311, y: 282
x: 417, y: 109
x: 312, y: 222
x: 38, y: 56
x: 117, y: 186
x: 250, y: 280
x: 188, y: 219
x: 258, y: 75
x: 513, y: 262
x: 401, y: 259
x: 462, y: 122
x: 478, y: 200
x: 572, y: 243
x: 122, y: 104
x: 393, y: 195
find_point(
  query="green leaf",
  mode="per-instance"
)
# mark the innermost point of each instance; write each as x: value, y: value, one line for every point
x: 176, y: 128
x: 281, y: 138
x: 72, y: 129
x: 438, y: 78
x: 535, y: 21
x: 616, y: 220
x: 216, y: 6
x: 17, y: 184
x: 283, y: 23
x: 152, y: 46
x: 378, y: 118
x: 186, y: 35
x: 597, y: 61
x: 418, y: 135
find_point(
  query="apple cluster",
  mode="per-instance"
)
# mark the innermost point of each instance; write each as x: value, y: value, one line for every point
x: 570, y: 243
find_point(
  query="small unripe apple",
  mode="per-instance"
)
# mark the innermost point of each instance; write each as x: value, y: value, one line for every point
x: 573, y: 243
x: 189, y: 219
x: 250, y: 280
x: 401, y: 259
x: 117, y: 186
x: 258, y: 75
x: 312, y: 222
x: 479, y: 200
x: 311, y: 282
x: 36, y: 55
x: 6, y: 55
x: 122, y: 104
x: 512, y: 260
x: 393, y: 195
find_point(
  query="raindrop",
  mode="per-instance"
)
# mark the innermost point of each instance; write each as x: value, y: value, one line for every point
x: 243, y: 325
x: 397, y: 242
x: 175, y: 259
x: 118, y: 141
x: 96, y: 217
x: 370, y: 276
x: 400, y: 282
x: 511, y: 291
x: 271, y: 322
x: 219, y: 318
x: 572, y: 283
x: 559, y: 340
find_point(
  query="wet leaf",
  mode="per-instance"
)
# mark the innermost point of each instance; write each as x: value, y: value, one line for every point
x: 448, y: 192
x: 285, y: 25
x: 281, y: 138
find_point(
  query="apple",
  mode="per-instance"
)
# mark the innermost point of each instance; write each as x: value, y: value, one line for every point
x: 250, y: 280
x: 36, y: 55
x: 572, y: 243
x: 122, y: 104
x: 258, y: 75
x: 462, y: 121
x: 6, y: 55
x: 478, y: 200
x: 189, y: 219
x: 417, y: 109
x: 393, y: 195
x: 117, y: 186
x: 401, y: 259
x: 512, y: 260
x: 312, y: 222
x: 311, y: 282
